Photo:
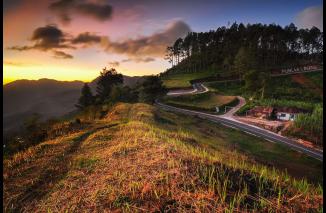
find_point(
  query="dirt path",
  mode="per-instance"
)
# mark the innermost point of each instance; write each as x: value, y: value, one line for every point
x: 231, y: 112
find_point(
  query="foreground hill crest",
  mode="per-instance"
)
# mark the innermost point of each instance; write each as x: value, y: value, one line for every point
x: 137, y: 159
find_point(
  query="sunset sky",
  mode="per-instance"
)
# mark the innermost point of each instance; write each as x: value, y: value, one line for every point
x: 75, y: 39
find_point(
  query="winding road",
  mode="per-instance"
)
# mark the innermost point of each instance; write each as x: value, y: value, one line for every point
x: 197, y: 89
x: 228, y: 120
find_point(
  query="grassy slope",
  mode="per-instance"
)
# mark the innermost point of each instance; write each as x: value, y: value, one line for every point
x: 204, y: 102
x: 281, y: 91
x: 300, y: 90
x: 143, y: 159
x: 226, y: 88
x: 316, y: 77
x: 181, y: 80
x: 281, y: 87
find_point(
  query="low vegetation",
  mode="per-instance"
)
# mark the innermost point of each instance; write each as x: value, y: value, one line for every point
x: 203, y: 102
x: 303, y: 91
x: 182, y: 80
x: 35, y: 132
x: 226, y: 88
x: 309, y: 126
x: 90, y: 107
x: 276, y: 103
x: 139, y: 158
x: 281, y: 87
x: 316, y: 78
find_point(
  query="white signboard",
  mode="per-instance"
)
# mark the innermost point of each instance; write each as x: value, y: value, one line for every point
x: 300, y: 69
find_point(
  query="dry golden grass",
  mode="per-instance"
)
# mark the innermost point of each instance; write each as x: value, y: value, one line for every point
x: 128, y: 162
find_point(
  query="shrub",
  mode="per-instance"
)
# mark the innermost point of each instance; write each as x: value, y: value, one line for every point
x: 311, y: 125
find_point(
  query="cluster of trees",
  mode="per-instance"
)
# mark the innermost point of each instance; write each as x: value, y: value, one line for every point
x: 110, y: 89
x: 253, y: 50
x: 107, y: 85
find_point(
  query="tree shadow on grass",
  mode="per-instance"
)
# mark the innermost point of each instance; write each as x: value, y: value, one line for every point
x: 52, y: 174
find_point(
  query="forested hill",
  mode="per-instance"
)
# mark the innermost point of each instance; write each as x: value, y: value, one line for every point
x: 241, y: 48
x: 50, y: 98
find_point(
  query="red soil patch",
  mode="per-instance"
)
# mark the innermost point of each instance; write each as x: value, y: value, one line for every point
x: 304, y: 81
x: 274, y: 126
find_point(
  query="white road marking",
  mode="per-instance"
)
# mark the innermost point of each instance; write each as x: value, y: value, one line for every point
x: 229, y: 126
x: 250, y: 133
x: 195, y: 90
x: 269, y: 140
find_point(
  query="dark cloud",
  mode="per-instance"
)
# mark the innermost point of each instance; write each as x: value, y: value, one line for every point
x: 114, y: 63
x: 63, y: 55
x: 86, y: 38
x: 154, y: 45
x: 139, y: 60
x: 7, y: 5
x: 65, y: 8
x: 309, y: 17
x: 20, y: 48
x: 99, y: 12
x: 48, y: 38
x: 147, y: 59
x: 45, y: 38
x: 62, y: 5
x: 141, y: 50
x: 61, y: 8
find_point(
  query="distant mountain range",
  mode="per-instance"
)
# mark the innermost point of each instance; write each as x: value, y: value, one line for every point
x: 47, y: 97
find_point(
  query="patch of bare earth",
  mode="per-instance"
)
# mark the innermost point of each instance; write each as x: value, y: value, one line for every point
x: 304, y: 81
x: 274, y: 126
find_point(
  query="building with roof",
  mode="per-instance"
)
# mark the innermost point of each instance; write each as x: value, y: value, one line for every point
x: 279, y: 113
x: 287, y: 113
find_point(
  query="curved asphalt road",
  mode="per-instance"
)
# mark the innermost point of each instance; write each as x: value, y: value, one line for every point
x: 197, y: 89
x: 229, y: 121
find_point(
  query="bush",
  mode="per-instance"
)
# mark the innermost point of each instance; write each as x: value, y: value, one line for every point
x: 245, y: 108
x: 310, y: 126
x: 285, y: 103
x: 93, y: 112
x: 40, y: 132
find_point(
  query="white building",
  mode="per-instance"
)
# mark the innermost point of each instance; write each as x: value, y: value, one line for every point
x: 287, y: 113
x: 285, y: 116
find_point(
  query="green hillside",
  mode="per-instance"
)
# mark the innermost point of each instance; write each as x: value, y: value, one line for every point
x: 304, y: 91
x: 202, y: 102
x: 182, y: 80
x: 140, y: 158
x: 280, y: 87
